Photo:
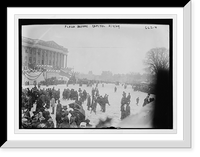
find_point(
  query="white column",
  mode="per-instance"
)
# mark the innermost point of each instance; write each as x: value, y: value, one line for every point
x: 44, y: 57
x: 65, y: 61
x: 58, y: 59
x: 62, y: 61
x: 36, y: 51
x: 40, y: 56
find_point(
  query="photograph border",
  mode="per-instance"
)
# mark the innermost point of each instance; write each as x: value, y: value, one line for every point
x: 125, y: 141
x: 122, y: 20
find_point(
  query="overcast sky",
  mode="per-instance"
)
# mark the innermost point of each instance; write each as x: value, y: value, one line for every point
x: 119, y: 49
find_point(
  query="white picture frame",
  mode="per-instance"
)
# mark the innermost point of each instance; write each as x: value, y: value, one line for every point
x: 180, y: 138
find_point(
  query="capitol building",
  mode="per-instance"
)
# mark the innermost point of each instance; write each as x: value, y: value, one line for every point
x: 39, y: 53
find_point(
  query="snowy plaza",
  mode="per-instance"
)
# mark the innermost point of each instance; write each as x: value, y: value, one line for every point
x: 112, y: 110
x: 107, y: 56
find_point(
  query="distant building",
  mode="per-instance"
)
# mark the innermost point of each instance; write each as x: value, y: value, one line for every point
x: 42, y: 53
x: 38, y: 52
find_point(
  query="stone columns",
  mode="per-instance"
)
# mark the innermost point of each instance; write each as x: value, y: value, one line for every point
x: 46, y: 57
x: 55, y: 59
x: 60, y: 59
x: 36, y: 56
x: 42, y: 53
x: 65, y: 61
x: 40, y: 56
x: 30, y: 56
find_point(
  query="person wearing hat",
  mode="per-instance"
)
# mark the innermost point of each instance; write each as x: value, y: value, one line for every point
x: 137, y: 101
x: 88, y: 101
x: 127, y: 110
x: 115, y: 88
x: 58, y: 112
x: 50, y: 123
x: 52, y: 103
x: 35, y: 120
x: 146, y: 101
x: 88, y: 125
x: 73, y: 122
x: 46, y: 114
x: 128, y: 98
x: 65, y: 123
x: 123, y: 102
x: 94, y: 105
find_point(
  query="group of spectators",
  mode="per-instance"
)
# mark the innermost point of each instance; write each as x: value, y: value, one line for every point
x: 71, y: 94
x: 35, y: 107
x: 37, y: 103
x: 52, y: 81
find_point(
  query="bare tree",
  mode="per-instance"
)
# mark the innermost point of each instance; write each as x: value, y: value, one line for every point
x: 157, y: 59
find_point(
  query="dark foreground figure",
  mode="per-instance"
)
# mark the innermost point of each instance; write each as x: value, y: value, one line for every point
x: 160, y: 114
x: 163, y: 110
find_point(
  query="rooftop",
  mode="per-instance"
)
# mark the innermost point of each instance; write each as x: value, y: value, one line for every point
x: 50, y: 44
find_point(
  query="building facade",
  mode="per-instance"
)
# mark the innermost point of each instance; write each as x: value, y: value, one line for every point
x: 38, y: 52
x: 45, y: 54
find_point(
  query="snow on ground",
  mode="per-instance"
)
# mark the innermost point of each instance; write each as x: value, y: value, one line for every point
x: 112, y: 111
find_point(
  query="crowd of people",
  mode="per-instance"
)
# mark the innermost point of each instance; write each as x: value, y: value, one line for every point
x: 38, y: 96
x: 37, y: 104
x: 74, y: 95
x: 93, y: 99
x: 125, y: 104
x: 97, y: 99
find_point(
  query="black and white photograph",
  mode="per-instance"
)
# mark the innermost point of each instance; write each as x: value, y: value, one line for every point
x: 95, y: 74
x: 99, y: 77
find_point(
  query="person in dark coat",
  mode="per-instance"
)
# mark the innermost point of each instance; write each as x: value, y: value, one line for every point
x: 123, y: 111
x: 65, y: 123
x: 84, y: 95
x: 35, y: 120
x: 123, y: 102
x: 146, y: 101
x: 58, y: 112
x: 73, y: 122
x: 47, y: 100
x: 52, y: 103
x: 88, y: 125
x: 88, y: 102
x: 128, y: 98
x: 30, y: 103
x: 64, y: 94
x: 115, y: 89
x: 137, y: 101
x: 46, y: 114
x: 50, y: 123
x: 40, y: 104
x: 94, y: 105
x: 104, y: 102
x: 127, y: 111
